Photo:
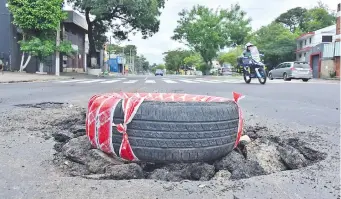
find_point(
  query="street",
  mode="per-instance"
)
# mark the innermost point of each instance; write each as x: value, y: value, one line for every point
x: 308, y: 110
x: 312, y: 103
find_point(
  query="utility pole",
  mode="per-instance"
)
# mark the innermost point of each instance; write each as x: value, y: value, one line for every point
x: 109, y: 49
x: 123, y: 61
x: 130, y: 61
x: 134, y: 63
x: 57, y: 52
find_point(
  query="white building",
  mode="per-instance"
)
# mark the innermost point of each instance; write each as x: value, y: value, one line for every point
x: 307, y: 41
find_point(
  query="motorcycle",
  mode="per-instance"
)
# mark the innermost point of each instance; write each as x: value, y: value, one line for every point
x: 252, y: 67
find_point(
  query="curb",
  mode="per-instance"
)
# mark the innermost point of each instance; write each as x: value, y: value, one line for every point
x: 33, y: 80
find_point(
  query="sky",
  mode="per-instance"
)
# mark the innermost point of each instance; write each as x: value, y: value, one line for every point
x: 262, y: 13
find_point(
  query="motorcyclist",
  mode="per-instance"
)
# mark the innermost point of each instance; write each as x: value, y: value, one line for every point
x: 247, y: 51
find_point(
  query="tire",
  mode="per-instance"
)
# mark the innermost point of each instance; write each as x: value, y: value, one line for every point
x: 174, y: 132
x: 305, y: 80
x: 262, y: 80
x: 285, y: 77
x: 270, y: 76
x: 248, y: 81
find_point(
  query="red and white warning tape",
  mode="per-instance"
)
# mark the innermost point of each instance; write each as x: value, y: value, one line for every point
x: 101, y: 108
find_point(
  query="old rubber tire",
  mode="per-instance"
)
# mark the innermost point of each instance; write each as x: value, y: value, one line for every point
x: 170, y: 132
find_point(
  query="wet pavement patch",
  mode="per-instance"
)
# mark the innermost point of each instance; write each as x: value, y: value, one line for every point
x: 264, y: 155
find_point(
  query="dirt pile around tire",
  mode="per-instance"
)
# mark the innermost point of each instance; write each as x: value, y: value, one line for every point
x: 264, y: 155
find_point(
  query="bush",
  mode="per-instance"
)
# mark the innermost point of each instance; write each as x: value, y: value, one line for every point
x: 332, y: 74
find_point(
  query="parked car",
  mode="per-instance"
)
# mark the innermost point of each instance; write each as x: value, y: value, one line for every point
x: 292, y: 70
x: 159, y: 72
x: 227, y: 70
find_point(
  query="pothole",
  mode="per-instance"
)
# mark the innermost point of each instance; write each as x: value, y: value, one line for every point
x: 44, y: 105
x: 264, y: 155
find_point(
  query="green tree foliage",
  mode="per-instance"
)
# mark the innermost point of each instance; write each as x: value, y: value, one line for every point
x: 39, y: 21
x: 317, y: 18
x: 276, y: 42
x: 293, y: 18
x: 121, y: 16
x: 194, y: 60
x: 231, y: 56
x: 42, y: 48
x: 141, y: 63
x: 117, y: 49
x: 36, y: 16
x: 159, y: 66
x: 307, y: 20
x: 174, y: 59
x: 207, y: 31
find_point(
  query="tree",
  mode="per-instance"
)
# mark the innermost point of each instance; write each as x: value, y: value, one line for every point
x: 160, y: 66
x: 39, y: 27
x: 207, y: 31
x: 276, y: 42
x: 123, y: 17
x: 307, y: 20
x: 141, y: 63
x: 174, y: 59
x: 194, y: 60
x: 293, y: 18
x: 145, y: 63
x: 318, y: 18
x: 230, y: 57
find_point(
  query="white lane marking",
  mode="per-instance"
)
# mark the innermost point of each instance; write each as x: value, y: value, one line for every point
x: 110, y: 81
x: 122, y: 78
x: 168, y: 81
x: 233, y: 81
x: 146, y: 78
x: 210, y: 81
x: 90, y: 81
x: 150, y: 81
x: 130, y: 81
x: 188, y: 81
x: 74, y: 80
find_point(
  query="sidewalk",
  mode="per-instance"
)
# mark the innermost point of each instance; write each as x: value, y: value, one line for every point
x: 13, y: 77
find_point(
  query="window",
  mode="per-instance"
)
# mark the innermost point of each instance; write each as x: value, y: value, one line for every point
x: 301, y: 65
x: 300, y: 55
x: 305, y: 42
x: 279, y: 66
x: 310, y: 40
x: 287, y: 65
x: 327, y: 38
x: 305, y: 54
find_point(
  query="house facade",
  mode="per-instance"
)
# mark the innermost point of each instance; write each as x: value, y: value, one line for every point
x: 307, y: 41
x: 74, y: 29
x: 330, y: 57
x: 321, y: 49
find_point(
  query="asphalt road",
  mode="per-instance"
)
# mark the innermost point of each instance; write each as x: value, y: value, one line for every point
x: 314, y: 103
x: 286, y: 108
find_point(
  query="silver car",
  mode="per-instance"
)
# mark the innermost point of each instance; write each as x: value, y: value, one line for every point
x: 291, y: 70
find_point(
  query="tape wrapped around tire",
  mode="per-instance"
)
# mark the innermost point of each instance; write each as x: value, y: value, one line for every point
x: 166, y: 132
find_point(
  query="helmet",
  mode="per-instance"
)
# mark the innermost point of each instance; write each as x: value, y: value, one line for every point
x: 248, y: 44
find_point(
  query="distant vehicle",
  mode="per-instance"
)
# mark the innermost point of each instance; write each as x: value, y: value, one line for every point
x: 292, y: 70
x: 159, y: 72
x: 226, y: 70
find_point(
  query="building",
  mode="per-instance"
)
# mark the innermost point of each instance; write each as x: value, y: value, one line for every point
x: 329, y: 59
x: 74, y: 29
x: 307, y: 41
x: 9, y: 38
x: 321, y: 49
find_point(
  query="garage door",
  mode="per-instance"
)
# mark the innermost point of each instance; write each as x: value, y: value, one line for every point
x: 315, y: 64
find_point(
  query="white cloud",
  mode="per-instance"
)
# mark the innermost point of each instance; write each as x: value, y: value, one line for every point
x: 262, y: 13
